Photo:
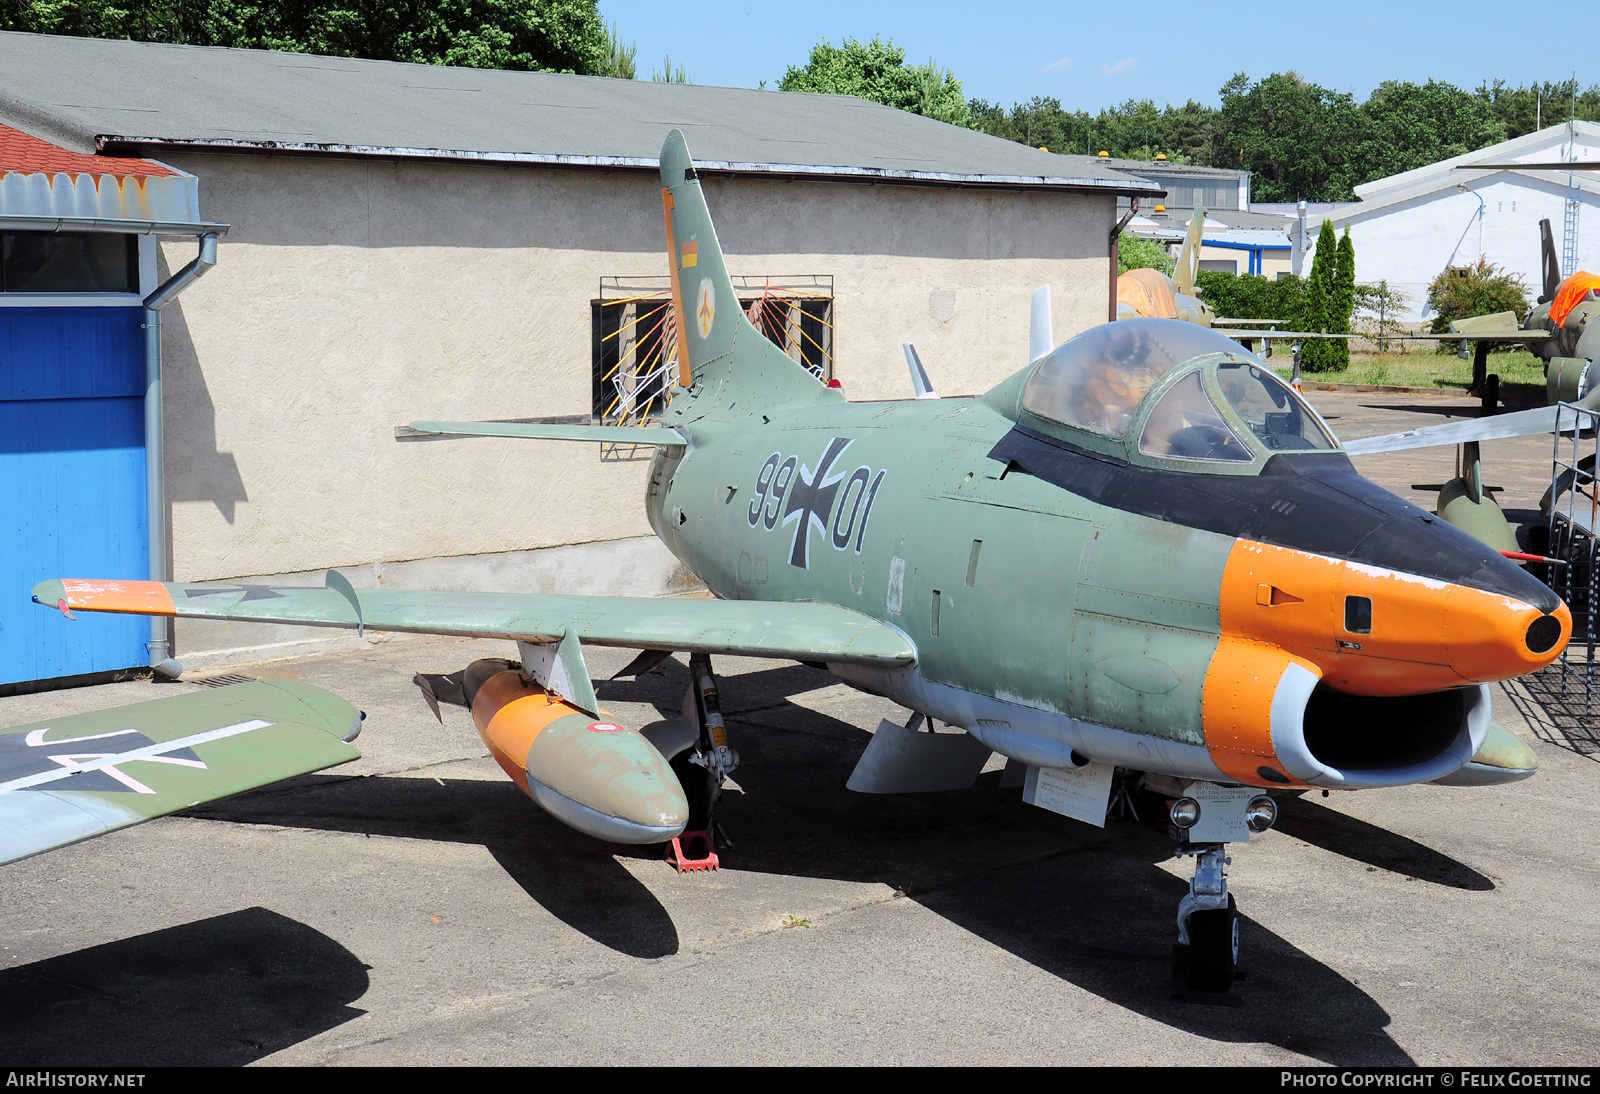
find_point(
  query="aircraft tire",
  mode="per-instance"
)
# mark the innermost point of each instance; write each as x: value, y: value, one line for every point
x: 1213, y: 948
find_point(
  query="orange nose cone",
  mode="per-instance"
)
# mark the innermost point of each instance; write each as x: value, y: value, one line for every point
x: 1487, y: 637
x: 1380, y: 632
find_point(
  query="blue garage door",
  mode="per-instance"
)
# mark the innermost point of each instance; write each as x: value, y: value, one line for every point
x: 72, y: 475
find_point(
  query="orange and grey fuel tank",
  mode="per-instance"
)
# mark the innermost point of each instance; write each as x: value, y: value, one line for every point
x: 592, y: 774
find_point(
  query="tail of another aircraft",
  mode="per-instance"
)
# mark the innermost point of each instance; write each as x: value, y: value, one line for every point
x: 1188, y: 266
x: 1548, y: 262
x: 721, y: 356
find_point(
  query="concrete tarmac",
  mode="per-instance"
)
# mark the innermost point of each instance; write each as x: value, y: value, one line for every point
x: 415, y: 908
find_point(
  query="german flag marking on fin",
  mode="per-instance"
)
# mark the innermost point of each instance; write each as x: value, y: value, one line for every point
x: 691, y: 254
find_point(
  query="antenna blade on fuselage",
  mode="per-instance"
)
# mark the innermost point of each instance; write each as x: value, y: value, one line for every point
x: 1041, y: 329
x: 919, y: 375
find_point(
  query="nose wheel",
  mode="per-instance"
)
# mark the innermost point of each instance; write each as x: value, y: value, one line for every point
x: 1205, y: 962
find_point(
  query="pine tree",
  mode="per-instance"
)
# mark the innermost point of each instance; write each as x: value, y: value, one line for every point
x: 1344, y: 296
x: 1321, y: 290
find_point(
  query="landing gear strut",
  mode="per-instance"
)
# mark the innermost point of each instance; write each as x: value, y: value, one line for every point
x: 702, y: 771
x: 1205, y: 960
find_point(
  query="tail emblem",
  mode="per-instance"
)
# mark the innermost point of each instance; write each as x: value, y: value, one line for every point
x: 706, y: 309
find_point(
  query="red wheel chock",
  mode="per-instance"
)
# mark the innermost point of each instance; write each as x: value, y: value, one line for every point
x: 692, y: 852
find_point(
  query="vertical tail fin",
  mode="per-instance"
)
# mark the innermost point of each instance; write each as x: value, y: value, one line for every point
x: 721, y: 355
x: 1548, y: 262
x: 1183, y: 274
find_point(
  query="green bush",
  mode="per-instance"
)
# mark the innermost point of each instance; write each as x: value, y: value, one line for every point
x: 1461, y: 292
x: 1134, y: 253
x: 1236, y: 296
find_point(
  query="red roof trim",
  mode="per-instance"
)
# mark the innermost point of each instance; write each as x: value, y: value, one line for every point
x: 29, y: 155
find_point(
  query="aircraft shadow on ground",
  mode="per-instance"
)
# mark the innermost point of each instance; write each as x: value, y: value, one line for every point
x: 217, y: 992
x: 572, y: 876
x: 1302, y: 819
x: 1087, y: 905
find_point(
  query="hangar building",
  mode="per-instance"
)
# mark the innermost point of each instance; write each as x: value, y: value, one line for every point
x: 1408, y: 228
x: 410, y: 241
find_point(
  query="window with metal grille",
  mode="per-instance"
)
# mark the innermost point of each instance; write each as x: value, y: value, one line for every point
x: 635, y: 345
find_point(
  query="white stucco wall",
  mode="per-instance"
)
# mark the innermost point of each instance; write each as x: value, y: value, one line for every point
x: 354, y: 296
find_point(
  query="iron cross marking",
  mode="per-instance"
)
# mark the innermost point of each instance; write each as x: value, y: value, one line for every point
x: 811, y: 501
x: 251, y: 592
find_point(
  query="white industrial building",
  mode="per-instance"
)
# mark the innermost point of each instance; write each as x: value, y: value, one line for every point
x: 1409, y: 227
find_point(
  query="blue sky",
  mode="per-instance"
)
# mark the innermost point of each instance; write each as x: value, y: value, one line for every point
x: 1094, y: 55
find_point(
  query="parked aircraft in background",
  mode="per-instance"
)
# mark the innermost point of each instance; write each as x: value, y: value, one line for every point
x: 73, y: 778
x: 1142, y: 562
x: 1147, y: 293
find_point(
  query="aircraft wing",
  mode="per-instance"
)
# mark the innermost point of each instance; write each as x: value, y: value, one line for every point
x: 1234, y: 332
x: 1519, y: 424
x: 1477, y: 336
x: 798, y: 631
x: 74, y: 778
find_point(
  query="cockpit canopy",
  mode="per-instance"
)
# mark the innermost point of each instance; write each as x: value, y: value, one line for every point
x: 1229, y: 408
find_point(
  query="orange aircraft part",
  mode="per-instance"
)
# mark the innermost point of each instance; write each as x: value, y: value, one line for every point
x: 685, y: 377
x: 1426, y: 635
x: 1236, y: 708
x: 1570, y: 293
x: 125, y: 597
x: 509, y: 713
x: 1148, y: 292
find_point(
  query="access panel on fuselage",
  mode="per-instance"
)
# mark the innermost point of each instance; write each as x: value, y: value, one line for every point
x: 72, y: 461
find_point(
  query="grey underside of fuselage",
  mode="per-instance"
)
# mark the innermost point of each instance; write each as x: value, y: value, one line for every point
x: 1029, y: 734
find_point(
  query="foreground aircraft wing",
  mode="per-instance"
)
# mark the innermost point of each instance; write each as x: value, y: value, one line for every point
x: 1519, y: 424
x: 610, y: 434
x: 1477, y: 336
x: 74, y: 778
x: 798, y: 631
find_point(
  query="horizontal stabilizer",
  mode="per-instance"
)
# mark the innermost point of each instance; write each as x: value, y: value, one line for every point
x: 799, y: 631
x: 74, y: 778
x: 608, y: 434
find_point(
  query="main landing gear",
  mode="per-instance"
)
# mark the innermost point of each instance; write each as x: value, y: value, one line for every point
x: 702, y: 769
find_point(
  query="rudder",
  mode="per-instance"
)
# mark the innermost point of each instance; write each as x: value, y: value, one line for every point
x: 1550, y: 265
x: 721, y: 355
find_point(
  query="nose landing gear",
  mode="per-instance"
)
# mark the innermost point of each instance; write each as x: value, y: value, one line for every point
x: 1205, y: 962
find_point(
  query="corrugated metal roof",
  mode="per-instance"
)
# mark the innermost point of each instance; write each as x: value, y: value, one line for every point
x: 40, y: 180
x: 96, y: 95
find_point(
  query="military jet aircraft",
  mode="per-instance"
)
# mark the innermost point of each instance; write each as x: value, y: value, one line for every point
x: 1558, y: 331
x: 73, y: 778
x: 1142, y: 558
